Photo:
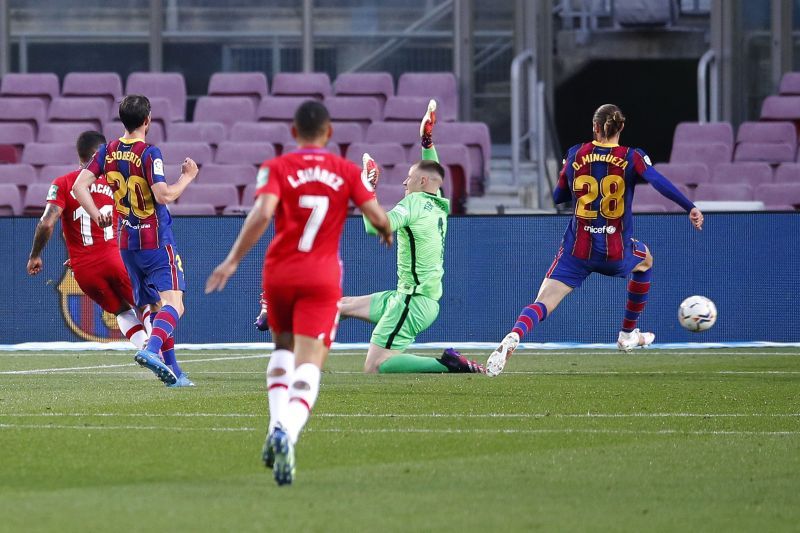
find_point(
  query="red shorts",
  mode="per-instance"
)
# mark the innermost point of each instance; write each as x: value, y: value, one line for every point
x: 302, y: 308
x: 106, y: 282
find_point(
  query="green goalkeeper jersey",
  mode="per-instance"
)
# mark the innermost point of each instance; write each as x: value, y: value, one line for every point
x: 420, y: 220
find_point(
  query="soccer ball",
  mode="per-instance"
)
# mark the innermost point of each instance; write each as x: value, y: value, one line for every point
x: 697, y: 313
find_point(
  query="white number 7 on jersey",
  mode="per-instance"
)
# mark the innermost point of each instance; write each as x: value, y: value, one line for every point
x: 319, y: 208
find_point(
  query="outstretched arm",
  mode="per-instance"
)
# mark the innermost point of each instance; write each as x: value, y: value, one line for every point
x: 665, y: 187
x: 44, y: 230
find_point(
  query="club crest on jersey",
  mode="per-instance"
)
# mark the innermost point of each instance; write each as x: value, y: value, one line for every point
x: 262, y: 178
x: 52, y: 193
x: 84, y: 317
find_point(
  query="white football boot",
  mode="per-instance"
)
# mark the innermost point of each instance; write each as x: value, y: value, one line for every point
x: 628, y: 341
x: 499, y: 357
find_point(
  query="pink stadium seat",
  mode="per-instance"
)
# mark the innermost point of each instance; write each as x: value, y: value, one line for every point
x: 405, y: 133
x: 16, y: 133
x: 184, y: 209
x: 50, y: 172
x: 473, y: 135
x: 90, y: 109
x: 767, y: 132
x: 28, y: 110
x: 39, y: 154
x: 385, y: 154
x: 18, y: 174
x: 219, y: 195
x: 708, y: 154
x: 752, y: 173
x: 389, y: 194
x: 168, y: 85
x: 456, y: 161
x: 43, y: 86
x: 35, y: 199
x: 787, y: 173
x: 438, y: 85
x: 405, y: 108
x: 239, y: 174
x: 225, y: 110
x: 362, y: 110
x: 309, y: 84
x: 235, y: 153
x: 279, y: 109
x: 772, y: 153
x: 248, y: 195
x: 719, y: 191
x: 62, y: 132
x: 292, y: 146
x: 693, y: 132
x: 781, y: 108
x: 647, y: 195
x: 9, y: 153
x: 685, y: 173
x: 790, y: 83
x: 10, y: 200
x: 115, y: 130
x: 175, y: 152
x: 252, y: 85
x: 377, y: 84
x: 346, y: 133
x: 779, y: 194
x: 106, y: 85
x: 207, y: 132
x: 275, y: 133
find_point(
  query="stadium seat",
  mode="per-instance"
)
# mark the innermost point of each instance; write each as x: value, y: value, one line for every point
x: 363, y: 110
x: 787, y: 173
x: 28, y: 110
x: 248, y: 196
x: 647, y: 195
x: 219, y: 195
x: 767, y: 132
x: 772, y: 153
x: 473, y: 135
x: 405, y: 108
x: 9, y: 153
x: 308, y: 84
x: 225, y: 110
x: 781, y: 108
x: 779, y: 195
x: 385, y: 154
x: 405, y: 133
x: 50, y: 172
x: 277, y: 134
x: 208, y: 132
x: 35, y: 199
x: 183, y: 209
x: 389, y: 194
x: 115, y: 130
x: 18, y: 174
x: 719, y: 191
x: 707, y: 154
x: 685, y: 173
x: 455, y: 159
x: 168, y: 85
x: 43, y: 86
x: 61, y: 132
x: 252, y: 85
x: 790, y: 84
x: 175, y: 152
x: 10, y: 200
x: 713, y: 132
x: 16, y: 133
x: 279, y: 109
x: 227, y: 174
x: 106, y: 85
x: 331, y: 147
x: 346, y: 133
x: 86, y: 110
x: 376, y: 84
x: 752, y: 173
x: 439, y: 85
x: 39, y: 154
x: 234, y: 153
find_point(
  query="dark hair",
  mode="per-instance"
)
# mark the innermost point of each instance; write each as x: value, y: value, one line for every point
x: 311, y: 119
x: 133, y: 111
x: 610, y: 119
x: 426, y: 166
x: 87, y: 144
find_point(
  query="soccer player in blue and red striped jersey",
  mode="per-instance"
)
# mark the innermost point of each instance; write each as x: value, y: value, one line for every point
x: 599, y: 177
x: 135, y: 170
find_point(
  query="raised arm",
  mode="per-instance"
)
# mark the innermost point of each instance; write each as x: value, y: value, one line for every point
x: 166, y: 194
x: 665, y: 187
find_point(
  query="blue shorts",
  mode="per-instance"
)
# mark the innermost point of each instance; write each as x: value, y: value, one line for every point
x: 571, y: 271
x: 152, y: 272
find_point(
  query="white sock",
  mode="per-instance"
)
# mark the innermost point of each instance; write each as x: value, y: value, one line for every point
x: 130, y: 326
x: 302, y: 395
x: 147, y: 321
x: 278, y: 386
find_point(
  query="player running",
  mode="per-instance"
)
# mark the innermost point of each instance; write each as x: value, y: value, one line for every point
x: 93, y: 252
x: 600, y: 177
x: 308, y: 191
x: 135, y: 171
x: 420, y: 220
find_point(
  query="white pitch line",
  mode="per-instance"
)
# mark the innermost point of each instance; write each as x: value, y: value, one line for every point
x: 147, y: 428
x: 420, y: 415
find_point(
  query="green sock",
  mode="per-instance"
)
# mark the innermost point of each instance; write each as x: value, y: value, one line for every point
x: 406, y: 363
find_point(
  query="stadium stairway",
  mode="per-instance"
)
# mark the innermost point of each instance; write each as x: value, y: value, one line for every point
x: 500, y: 196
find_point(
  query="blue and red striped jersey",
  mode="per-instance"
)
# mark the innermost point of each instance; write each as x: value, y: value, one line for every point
x: 132, y: 167
x: 600, y: 180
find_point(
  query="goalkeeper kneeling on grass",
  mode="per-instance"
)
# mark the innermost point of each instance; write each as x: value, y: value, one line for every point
x: 420, y: 220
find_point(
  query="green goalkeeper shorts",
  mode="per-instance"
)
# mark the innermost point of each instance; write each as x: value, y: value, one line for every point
x: 400, y: 318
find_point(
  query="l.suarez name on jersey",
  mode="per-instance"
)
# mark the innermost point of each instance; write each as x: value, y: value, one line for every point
x: 308, y: 175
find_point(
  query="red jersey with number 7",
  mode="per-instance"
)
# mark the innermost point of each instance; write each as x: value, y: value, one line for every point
x: 314, y: 188
x: 85, y: 239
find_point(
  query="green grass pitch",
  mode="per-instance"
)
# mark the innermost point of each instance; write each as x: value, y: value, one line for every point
x: 704, y: 440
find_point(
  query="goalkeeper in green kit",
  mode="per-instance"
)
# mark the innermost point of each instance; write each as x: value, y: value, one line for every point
x: 420, y: 220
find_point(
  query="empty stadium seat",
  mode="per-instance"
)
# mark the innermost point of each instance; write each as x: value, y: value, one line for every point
x: 279, y: 108
x: 43, y: 86
x: 115, y: 130
x: 385, y: 154
x: 225, y: 110
x: 362, y: 110
x: 790, y: 84
x: 707, y: 154
x: 184, y: 209
x: 9, y: 153
x: 772, y: 153
x: 405, y: 108
x: 28, y: 110
x: 237, y: 174
x: 252, y: 85
x: 61, y: 132
x: 275, y: 133
x: 10, y: 200
x: 50, y: 172
x: 752, y: 173
x: 779, y: 195
x: 787, y: 173
x: 771, y: 142
x: 168, y: 85
x: 175, y: 152
x: 377, y: 84
x: 18, y: 174
x: 207, y: 132
x: 35, y: 199
x: 235, y: 153
x: 647, y: 195
x: 292, y: 146
x: 694, y: 132
x: 106, y: 85
x: 309, y: 84
x: 475, y: 136
x: 16, y: 133
x: 685, y: 173
x: 781, y: 108
x: 405, y: 133
x: 346, y: 133
x: 718, y: 191
x: 389, y: 194
x: 248, y: 196
x: 72, y: 109
x: 455, y: 159
x: 438, y: 85
x: 218, y: 195
x: 39, y: 154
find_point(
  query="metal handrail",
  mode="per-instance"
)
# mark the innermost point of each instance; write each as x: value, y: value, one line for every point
x: 707, y: 60
x: 517, y: 138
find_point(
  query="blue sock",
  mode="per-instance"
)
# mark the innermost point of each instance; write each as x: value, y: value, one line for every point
x: 529, y: 317
x: 163, y: 326
x: 168, y: 351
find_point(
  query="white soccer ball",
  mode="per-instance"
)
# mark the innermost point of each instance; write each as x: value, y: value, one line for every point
x: 697, y: 313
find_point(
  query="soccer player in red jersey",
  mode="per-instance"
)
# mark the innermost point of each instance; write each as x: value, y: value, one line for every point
x: 600, y: 177
x: 92, y: 250
x: 308, y: 192
x: 135, y: 170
